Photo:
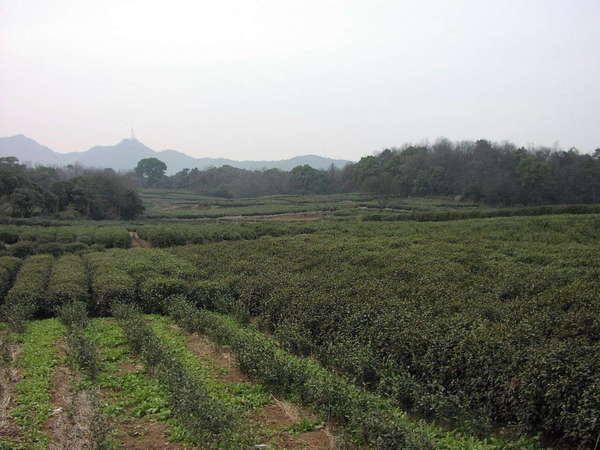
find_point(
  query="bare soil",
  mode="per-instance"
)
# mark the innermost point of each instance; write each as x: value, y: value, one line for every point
x: 74, y: 414
x: 284, y: 217
x: 137, y: 242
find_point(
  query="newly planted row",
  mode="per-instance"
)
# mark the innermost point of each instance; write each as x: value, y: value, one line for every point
x: 370, y: 419
x: 201, y: 413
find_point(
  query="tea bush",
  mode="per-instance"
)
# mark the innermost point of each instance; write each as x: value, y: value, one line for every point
x: 465, y: 322
x: 26, y: 297
x: 108, y: 282
x: 73, y: 315
x: 192, y: 402
x: 8, y: 269
x: 68, y: 282
x: 156, y: 291
x: 371, y: 420
x: 107, y: 236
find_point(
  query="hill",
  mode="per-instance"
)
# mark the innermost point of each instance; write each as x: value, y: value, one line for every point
x: 126, y: 154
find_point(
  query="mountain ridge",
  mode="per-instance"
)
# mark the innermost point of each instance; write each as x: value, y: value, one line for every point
x: 125, y: 155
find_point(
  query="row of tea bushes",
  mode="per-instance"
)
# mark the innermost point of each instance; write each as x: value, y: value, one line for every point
x: 68, y: 283
x: 109, y: 236
x: 109, y: 283
x: 486, y: 322
x: 181, y: 234
x: 144, y: 276
x: 28, y: 291
x: 204, y: 415
x: 454, y: 214
x: 9, y: 266
x: 22, y: 249
x: 370, y: 419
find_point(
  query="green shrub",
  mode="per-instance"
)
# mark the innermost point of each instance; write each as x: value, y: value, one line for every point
x: 73, y: 314
x: 75, y: 247
x: 68, y: 282
x: 156, y: 291
x: 52, y: 248
x: 192, y: 402
x: 84, y: 352
x: 26, y: 297
x: 211, y: 294
x: 23, y: 248
x: 8, y: 234
x: 370, y: 419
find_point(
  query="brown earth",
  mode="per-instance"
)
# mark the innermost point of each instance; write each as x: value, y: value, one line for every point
x: 137, y: 242
x: 284, y: 217
x: 276, y: 416
x: 74, y: 418
x: 144, y: 434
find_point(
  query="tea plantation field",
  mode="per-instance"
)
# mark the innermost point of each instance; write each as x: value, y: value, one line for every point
x: 351, y: 331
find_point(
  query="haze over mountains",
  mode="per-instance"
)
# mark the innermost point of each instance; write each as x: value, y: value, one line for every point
x: 126, y: 154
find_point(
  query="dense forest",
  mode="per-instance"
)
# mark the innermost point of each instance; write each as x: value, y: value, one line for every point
x: 95, y: 194
x: 491, y: 173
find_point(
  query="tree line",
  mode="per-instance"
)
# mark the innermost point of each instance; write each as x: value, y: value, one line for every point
x: 481, y: 171
x: 94, y: 194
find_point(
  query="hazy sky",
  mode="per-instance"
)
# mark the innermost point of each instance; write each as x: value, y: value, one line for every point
x: 273, y: 79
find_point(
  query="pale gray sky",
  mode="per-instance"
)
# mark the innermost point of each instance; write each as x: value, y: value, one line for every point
x: 277, y: 78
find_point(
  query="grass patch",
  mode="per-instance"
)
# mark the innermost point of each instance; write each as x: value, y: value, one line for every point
x: 33, y: 391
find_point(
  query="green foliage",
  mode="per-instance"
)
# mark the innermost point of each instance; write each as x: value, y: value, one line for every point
x: 479, y: 324
x: 369, y: 418
x: 8, y: 269
x: 73, y: 315
x: 83, y: 352
x: 32, y: 401
x: 23, y: 248
x: 68, y: 282
x: 156, y: 291
x: 150, y: 171
x: 203, y: 414
x: 96, y: 194
x: 109, y: 283
x: 437, y: 216
x: 27, y: 295
x: 211, y: 294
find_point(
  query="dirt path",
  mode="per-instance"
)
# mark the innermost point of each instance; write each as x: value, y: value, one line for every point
x: 74, y: 422
x: 9, y: 377
x: 277, y: 417
x: 137, y: 242
x: 305, y: 216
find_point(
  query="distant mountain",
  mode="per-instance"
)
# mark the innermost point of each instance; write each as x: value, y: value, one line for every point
x: 28, y: 151
x: 126, y: 154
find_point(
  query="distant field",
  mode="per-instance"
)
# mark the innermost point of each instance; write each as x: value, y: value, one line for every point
x: 419, y: 323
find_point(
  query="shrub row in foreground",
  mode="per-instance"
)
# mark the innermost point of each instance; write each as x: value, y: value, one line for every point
x: 367, y: 417
x: 192, y: 403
